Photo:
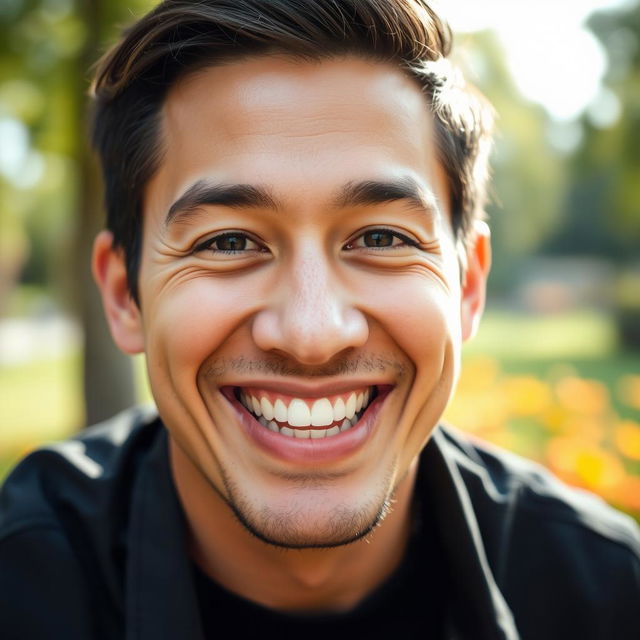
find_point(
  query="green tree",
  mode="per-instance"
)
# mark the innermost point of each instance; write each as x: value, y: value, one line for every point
x: 529, y: 175
x: 603, y: 197
x: 47, y: 48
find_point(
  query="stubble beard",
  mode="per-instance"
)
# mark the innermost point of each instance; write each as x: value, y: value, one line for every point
x: 294, y: 528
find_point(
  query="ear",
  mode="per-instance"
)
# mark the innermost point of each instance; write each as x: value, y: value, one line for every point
x: 123, y: 314
x: 474, y: 283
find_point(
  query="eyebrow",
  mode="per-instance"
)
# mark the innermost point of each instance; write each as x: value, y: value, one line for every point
x: 352, y: 194
x: 205, y: 192
x: 372, y: 192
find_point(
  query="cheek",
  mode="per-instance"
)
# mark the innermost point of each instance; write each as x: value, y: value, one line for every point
x: 420, y: 314
x: 188, y: 322
x: 423, y: 319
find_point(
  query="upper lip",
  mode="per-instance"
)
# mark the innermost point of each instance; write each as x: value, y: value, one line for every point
x: 310, y: 389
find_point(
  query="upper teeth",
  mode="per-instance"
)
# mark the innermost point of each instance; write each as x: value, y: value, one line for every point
x: 296, y: 412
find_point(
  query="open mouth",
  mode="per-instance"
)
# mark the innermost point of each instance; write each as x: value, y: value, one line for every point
x: 303, y: 418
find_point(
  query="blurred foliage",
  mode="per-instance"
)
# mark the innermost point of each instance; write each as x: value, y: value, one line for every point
x: 564, y: 188
x: 50, y: 192
x: 46, y: 50
x: 601, y: 215
x: 529, y: 175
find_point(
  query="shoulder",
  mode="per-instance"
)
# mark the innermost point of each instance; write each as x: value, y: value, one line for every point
x: 565, y: 561
x: 84, y: 473
x: 63, y: 521
x: 81, y: 473
x: 506, y: 480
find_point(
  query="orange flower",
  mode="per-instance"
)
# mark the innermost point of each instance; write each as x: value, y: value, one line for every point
x: 627, y: 438
x: 585, y: 427
x: 478, y: 374
x: 581, y: 462
x: 526, y: 395
x: 588, y: 397
x: 627, y: 494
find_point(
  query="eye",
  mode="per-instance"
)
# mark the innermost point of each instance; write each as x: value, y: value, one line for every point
x: 380, y: 239
x: 230, y: 242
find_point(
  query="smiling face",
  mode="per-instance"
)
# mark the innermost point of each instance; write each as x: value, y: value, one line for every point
x: 301, y: 300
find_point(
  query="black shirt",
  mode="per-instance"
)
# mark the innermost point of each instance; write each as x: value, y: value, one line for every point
x: 93, y: 545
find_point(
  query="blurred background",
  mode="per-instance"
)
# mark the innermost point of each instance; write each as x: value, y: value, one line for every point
x: 554, y: 373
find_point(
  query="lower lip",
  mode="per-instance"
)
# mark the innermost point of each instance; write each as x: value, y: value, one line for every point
x: 308, y: 450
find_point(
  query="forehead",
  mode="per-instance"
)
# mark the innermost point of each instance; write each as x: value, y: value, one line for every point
x: 295, y: 126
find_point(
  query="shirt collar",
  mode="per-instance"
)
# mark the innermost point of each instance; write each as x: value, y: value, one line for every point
x: 479, y: 609
x: 160, y: 598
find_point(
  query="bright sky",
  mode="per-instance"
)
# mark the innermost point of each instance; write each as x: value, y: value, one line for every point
x: 554, y: 59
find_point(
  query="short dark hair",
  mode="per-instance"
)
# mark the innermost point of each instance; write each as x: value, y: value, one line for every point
x: 179, y: 37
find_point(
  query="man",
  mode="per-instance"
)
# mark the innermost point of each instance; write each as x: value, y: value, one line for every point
x: 295, y: 241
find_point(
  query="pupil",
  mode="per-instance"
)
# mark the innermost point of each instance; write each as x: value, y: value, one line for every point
x: 231, y: 243
x: 378, y: 239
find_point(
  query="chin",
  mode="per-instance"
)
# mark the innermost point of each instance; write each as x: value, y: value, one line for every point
x: 308, y: 521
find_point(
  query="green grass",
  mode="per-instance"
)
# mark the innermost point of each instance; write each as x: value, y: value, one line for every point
x: 512, y: 337
x: 39, y: 400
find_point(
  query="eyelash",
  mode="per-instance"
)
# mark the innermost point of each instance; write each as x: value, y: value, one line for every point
x: 395, y: 234
x: 207, y: 245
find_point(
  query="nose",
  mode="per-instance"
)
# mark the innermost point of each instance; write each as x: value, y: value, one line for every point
x: 310, y: 316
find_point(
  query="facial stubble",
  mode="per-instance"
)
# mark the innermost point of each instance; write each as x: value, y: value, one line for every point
x: 288, y: 528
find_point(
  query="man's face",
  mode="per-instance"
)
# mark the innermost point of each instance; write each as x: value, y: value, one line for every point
x: 298, y: 259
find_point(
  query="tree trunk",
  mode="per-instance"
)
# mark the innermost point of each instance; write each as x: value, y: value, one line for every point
x: 108, y: 374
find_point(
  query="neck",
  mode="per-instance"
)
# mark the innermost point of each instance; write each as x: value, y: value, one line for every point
x: 326, y: 579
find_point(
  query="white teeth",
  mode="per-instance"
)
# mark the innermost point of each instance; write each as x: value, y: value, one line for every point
x: 280, y: 411
x: 267, y: 408
x: 298, y: 414
x: 350, y: 408
x: 321, y: 413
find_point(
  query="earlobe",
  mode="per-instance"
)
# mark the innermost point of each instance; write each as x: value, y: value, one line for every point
x: 123, y: 314
x: 475, y: 280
